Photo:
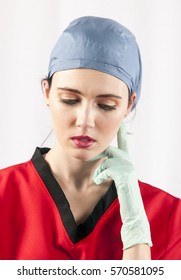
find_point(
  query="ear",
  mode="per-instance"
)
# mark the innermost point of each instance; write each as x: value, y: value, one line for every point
x: 131, y: 103
x: 46, y: 90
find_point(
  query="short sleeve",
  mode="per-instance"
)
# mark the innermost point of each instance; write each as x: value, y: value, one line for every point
x: 173, y: 248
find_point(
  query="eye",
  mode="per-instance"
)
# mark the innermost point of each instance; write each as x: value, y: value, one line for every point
x: 69, y: 101
x: 107, y: 107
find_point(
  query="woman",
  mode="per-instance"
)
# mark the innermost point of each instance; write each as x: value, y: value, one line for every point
x: 70, y: 201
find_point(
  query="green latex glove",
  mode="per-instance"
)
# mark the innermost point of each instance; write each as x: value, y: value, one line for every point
x: 135, y: 228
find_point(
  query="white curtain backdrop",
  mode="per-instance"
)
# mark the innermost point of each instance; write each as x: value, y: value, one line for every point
x: 28, y: 30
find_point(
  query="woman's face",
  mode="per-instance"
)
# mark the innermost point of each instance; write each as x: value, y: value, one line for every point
x: 87, y: 108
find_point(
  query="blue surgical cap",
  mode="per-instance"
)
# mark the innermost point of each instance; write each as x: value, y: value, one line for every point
x: 101, y: 44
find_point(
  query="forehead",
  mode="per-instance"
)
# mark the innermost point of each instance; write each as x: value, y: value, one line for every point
x: 88, y: 79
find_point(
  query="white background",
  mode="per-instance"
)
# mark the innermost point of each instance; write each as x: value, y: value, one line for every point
x: 28, y: 31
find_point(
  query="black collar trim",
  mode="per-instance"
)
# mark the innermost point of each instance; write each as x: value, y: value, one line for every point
x: 75, y: 232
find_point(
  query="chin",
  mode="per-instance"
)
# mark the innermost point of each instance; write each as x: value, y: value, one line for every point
x: 82, y: 155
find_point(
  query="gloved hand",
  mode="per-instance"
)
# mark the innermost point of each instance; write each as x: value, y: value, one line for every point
x: 135, y: 228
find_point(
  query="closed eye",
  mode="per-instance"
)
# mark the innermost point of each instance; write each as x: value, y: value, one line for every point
x: 69, y: 101
x: 106, y: 107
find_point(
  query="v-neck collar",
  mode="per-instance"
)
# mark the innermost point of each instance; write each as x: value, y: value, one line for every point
x: 75, y: 232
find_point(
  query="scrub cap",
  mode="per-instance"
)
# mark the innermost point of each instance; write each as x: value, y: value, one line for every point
x: 101, y: 44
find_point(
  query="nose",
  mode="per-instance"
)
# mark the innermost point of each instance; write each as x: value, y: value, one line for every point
x: 85, y: 117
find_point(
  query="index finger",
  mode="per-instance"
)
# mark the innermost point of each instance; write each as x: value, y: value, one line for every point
x: 122, y: 138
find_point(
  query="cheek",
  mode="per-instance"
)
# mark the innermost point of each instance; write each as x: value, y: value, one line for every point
x: 110, y: 124
x: 59, y: 118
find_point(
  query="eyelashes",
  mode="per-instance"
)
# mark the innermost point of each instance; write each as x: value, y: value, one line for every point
x: 104, y: 107
x: 107, y: 107
x: 70, y: 101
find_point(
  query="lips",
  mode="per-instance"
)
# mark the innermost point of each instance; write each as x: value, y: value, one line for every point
x: 83, y: 141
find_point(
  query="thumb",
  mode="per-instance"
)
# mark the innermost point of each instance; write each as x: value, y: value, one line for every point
x: 99, y: 156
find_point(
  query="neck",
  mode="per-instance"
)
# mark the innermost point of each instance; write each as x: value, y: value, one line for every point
x: 69, y: 170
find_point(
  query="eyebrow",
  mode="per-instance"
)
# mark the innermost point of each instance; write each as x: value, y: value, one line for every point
x: 79, y: 92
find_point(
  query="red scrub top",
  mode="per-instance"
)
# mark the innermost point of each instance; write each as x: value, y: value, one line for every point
x: 36, y: 221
